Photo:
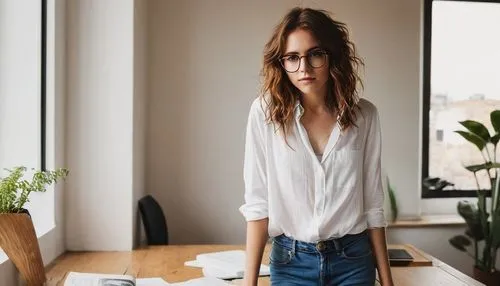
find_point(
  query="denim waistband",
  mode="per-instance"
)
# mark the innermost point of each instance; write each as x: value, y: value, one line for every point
x: 334, y: 244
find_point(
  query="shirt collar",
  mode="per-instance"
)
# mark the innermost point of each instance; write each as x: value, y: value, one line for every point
x: 298, y: 109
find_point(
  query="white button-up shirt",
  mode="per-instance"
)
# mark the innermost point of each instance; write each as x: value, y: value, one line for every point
x: 309, y: 199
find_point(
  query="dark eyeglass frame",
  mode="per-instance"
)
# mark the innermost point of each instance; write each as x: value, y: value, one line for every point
x: 308, y: 61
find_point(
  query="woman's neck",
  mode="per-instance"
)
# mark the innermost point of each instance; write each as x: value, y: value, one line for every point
x: 314, y: 103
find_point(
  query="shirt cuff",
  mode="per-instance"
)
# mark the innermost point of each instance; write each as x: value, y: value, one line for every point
x: 256, y: 211
x: 375, y: 218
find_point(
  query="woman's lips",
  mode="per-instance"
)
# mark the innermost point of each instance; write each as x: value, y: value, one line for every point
x: 307, y: 79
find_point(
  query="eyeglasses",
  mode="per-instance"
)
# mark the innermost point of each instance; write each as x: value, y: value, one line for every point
x: 315, y: 59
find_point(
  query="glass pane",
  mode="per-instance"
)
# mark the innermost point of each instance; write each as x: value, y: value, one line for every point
x: 465, y: 84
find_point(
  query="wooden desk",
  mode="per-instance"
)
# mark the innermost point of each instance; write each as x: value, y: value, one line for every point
x: 167, y: 262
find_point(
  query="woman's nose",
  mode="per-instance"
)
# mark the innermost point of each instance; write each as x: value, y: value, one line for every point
x: 304, y: 65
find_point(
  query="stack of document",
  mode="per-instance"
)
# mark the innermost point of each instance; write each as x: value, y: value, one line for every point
x: 224, y: 264
x: 98, y: 279
x: 204, y: 281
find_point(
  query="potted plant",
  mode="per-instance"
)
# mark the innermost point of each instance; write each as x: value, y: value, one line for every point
x: 483, y: 221
x: 17, y: 234
x: 392, y: 200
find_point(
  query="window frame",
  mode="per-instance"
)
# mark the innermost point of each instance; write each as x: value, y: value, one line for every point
x: 427, y: 51
x: 43, y: 88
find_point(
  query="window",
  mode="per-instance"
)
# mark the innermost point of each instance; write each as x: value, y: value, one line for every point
x: 461, y: 81
x: 23, y: 34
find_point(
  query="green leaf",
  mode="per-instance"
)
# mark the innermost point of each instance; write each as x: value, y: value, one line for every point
x: 495, y: 120
x: 431, y: 181
x: 473, y: 138
x: 485, y: 166
x: 470, y: 212
x: 477, y: 128
x: 495, y: 139
x: 475, y: 168
x: 436, y: 184
x: 464, y: 240
x: 469, y: 233
x: 458, y: 242
x: 493, y: 165
x: 392, y: 198
x: 14, y: 191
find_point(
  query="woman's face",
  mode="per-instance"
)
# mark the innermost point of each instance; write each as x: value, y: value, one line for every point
x: 306, y: 64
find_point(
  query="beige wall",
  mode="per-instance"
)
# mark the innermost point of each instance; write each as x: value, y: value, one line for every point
x: 202, y: 69
x: 204, y: 61
x: 106, y: 117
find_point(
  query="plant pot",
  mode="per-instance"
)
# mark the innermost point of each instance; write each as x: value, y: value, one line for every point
x: 488, y: 278
x: 18, y: 240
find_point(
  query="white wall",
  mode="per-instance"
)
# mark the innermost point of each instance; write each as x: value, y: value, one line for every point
x: 100, y: 109
x: 106, y: 115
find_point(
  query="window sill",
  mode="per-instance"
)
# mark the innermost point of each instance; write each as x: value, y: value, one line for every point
x: 429, y: 221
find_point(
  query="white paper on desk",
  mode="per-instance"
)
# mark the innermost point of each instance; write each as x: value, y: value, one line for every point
x: 97, y: 279
x: 221, y: 273
x: 224, y: 264
x: 204, y: 281
x: 193, y: 263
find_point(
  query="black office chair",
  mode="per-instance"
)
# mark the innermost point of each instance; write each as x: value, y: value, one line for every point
x: 154, y: 221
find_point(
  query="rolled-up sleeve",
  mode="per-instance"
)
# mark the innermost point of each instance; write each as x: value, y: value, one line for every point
x: 254, y: 167
x: 373, y: 190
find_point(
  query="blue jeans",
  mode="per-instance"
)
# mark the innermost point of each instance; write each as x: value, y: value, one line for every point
x: 344, y: 261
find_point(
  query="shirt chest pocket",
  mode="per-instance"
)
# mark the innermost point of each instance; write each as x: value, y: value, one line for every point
x: 348, y: 168
x: 290, y: 166
x: 352, y: 139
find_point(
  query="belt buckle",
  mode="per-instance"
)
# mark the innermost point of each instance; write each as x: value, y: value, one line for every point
x: 320, y: 246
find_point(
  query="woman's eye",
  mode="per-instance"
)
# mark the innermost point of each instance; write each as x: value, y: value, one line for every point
x: 316, y: 54
x: 292, y: 58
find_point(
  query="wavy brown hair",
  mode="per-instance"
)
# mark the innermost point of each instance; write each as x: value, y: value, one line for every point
x: 280, y: 95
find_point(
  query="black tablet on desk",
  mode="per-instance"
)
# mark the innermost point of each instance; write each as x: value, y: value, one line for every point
x: 399, y: 257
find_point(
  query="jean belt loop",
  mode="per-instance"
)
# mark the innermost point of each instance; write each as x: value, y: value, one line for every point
x: 338, y: 244
x: 294, y: 244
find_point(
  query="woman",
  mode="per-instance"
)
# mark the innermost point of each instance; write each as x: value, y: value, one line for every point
x: 312, y: 161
